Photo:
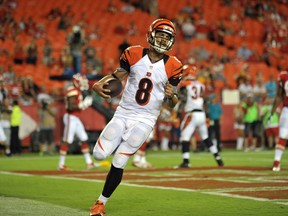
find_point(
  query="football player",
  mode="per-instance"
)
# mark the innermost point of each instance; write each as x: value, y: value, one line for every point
x: 282, y: 96
x: 72, y: 123
x: 192, y: 103
x: 152, y: 78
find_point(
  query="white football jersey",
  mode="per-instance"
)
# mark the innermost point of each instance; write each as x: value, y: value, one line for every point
x: 143, y: 94
x: 194, y: 100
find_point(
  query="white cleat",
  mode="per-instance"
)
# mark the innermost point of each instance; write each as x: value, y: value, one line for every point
x: 142, y: 165
x: 276, y: 169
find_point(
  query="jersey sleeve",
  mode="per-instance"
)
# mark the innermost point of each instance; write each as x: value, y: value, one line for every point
x: 174, y: 70
x: 130, y: 56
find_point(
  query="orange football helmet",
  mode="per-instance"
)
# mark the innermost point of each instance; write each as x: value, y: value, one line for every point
x: 189, y: 72
x: 163, y: 25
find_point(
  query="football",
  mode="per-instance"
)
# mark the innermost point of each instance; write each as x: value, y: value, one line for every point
x: 115, y: 87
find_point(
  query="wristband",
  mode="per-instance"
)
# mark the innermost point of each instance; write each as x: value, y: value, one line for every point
x: 114, y: 76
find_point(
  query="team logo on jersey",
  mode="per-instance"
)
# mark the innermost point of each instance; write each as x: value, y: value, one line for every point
x: 148, y: 74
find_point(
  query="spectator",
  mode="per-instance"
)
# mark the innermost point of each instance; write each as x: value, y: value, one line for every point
x: 66, y: 60
x: 32, y: 52
x: 244, y: 52
x: 259, y: 90
x: 66, y: 18
x: 76, y: 41
x: 271, y: 127
x: 239, y: 125
x: 225, y: 58
x: 218, y: 69
x: 271, y: 86
x: 47, y: 51
x: 215, y: 111
x: 43, y: 95
x: 202, y: 54
x: 16, y: 117
x: 243, y: 75
x: 54, y: 13
x: 9, y: 75
x: 29, y: 90
x: 93, y: 33
x: 188, y: 29
x: 119, y: 29
x: 18, y: 53
x: 245, y: 88
x: 111, y: 8
x: 46, y: 114
x: 187, y: 9
x: 128, y: 8
x: 250, y: 110
x: 92, y: 60
x: 132, y: 29
x: 202, y: 27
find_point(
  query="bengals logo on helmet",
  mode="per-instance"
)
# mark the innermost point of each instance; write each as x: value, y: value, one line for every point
x: 163, y: 25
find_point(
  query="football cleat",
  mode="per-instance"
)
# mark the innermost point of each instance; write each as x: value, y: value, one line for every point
x: 276, y: 166
x: 63, y: 168
x: 220, y: 162
x: 183, y: 165
x: 98, y: 209
x: 142, y: 165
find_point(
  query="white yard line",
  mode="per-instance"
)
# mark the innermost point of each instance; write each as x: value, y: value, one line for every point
x: 216, y: 192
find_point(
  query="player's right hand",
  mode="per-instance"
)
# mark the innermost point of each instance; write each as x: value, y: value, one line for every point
x: 98, y: 87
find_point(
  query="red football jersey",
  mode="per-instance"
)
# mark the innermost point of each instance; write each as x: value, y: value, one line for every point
x: 283, y: 79
x: 73, y: 92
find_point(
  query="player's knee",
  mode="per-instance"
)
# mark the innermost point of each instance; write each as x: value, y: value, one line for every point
x: 283, y: 134
x: 120, y: 161
x: 98, y: 151
x: 98, y: 155
x: 281, y: 144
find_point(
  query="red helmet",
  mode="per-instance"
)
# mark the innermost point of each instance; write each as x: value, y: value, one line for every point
x: 80, y: 82
x: 189, y: 72
x: 163, y: 25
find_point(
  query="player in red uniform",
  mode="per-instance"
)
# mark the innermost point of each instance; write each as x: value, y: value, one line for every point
x: 282, y: 96
x: 152, y: 78
x: 73, y: 125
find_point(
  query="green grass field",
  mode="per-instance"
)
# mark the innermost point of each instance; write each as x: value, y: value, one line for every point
x: 23, y: 194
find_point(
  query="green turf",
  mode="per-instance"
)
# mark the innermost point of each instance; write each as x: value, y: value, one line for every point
x: 42, y: 195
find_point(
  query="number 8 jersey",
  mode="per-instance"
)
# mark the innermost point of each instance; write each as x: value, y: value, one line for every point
x: 144, y: 90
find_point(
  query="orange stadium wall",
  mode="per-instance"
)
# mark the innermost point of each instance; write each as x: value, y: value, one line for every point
x: 94, y: 121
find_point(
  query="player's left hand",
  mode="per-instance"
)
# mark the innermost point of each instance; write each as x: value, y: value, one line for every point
x: 169, y: 90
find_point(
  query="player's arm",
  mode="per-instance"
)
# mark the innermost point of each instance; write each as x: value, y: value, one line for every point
x: 99, y: 86
x: 71, y: 103
x: 172, y: 98
x: 182, y: 99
